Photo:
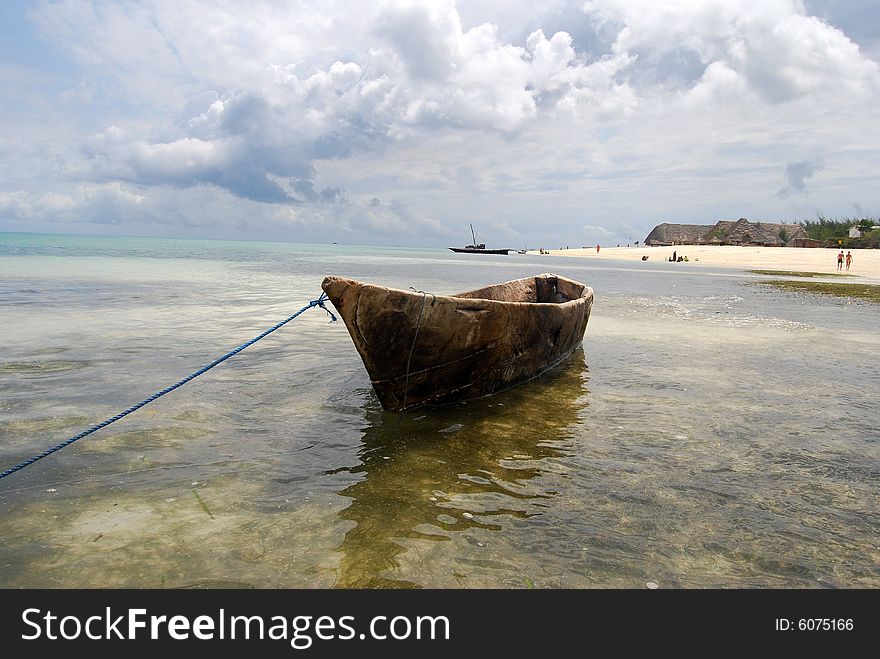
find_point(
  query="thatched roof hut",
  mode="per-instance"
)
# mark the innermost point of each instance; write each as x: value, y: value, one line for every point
x: 772, y: 234
x: 726, y: 232
x: 676, y: 234
x: 716, y: 234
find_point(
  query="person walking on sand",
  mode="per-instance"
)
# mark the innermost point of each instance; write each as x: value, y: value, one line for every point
x: 840, y: 261
x: 848, y: 260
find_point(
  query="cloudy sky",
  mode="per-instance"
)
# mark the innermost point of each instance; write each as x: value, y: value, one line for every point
x: 400, y: 122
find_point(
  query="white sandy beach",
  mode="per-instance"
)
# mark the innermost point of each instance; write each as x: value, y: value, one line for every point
x: 865, y: 264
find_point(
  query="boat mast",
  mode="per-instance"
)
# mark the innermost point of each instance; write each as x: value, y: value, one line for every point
x: 473, y: 235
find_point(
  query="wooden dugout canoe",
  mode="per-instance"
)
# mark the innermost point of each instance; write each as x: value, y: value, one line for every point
x: 425, y: 349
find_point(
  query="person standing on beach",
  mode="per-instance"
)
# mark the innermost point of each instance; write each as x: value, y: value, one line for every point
x: 597, y: 249
x: 840, y: 261
x: 848, y: 260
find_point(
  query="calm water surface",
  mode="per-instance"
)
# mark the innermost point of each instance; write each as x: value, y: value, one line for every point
x: 712, y: 432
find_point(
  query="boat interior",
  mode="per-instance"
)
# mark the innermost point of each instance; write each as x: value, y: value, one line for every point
x: 547, y: 288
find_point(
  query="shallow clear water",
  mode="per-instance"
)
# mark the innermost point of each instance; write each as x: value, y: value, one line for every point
x: 712, y: 433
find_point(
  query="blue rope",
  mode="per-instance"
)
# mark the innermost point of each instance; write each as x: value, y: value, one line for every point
x: 314, y: 303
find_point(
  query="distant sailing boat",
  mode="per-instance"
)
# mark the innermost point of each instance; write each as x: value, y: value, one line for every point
x: 477, y: 248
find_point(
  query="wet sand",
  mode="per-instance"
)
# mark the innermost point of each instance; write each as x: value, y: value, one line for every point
x: 865, y: 264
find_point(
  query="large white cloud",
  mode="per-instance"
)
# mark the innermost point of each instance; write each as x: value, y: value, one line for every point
x: 770, y: 48
x: 424, y: 71
x: 102, y: 204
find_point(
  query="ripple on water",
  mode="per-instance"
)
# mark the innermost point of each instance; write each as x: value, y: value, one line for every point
x: 46, y: 366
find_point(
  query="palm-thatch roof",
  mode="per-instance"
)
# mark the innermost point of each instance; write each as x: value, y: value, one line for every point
x: 726, y: 232
x: 677, y: 234
x: 743, y: 232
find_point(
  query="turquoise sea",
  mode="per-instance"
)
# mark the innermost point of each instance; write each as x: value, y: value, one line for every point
x: 712, y: 433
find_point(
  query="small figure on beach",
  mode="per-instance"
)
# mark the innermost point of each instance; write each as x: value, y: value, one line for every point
x: 848, y: 260
x: 597, y: 248
x: 840, y: 260
x: 673, y: 257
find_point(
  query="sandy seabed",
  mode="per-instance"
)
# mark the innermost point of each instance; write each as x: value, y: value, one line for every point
x: 865, y: 262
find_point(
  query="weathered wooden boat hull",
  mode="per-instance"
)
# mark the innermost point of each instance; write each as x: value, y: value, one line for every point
x: 425, y: 349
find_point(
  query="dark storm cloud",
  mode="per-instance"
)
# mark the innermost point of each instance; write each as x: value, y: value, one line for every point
x: 796, y: 174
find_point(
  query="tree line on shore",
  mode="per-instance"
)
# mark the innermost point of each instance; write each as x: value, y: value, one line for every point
x: 836, y: 232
